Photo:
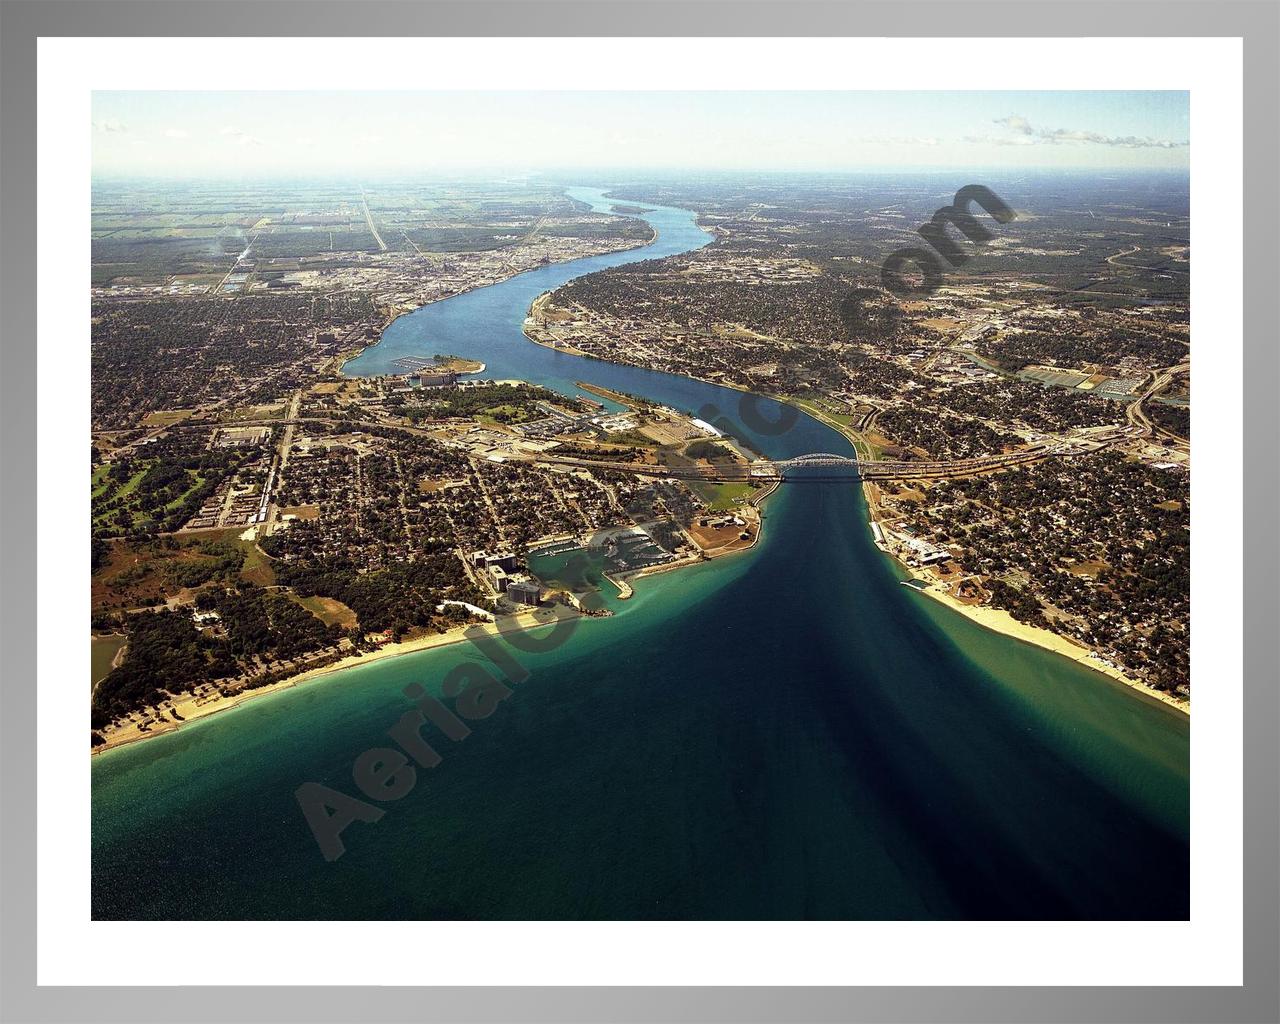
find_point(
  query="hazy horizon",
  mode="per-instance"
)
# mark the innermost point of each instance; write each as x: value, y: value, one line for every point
x: 220, y: 135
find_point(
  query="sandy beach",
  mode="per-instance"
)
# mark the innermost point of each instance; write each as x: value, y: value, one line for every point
x: 1000, y: 621
x: 996, y: 619
x: 193, y: 709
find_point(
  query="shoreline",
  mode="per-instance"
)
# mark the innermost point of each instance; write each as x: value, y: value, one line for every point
x: 707, y: 555
x: 1000, y: 621
x: 192, y: 711
x: 357, y: 353
x: 997, y: 620
x: 994, y: 619
x: 545, y: 297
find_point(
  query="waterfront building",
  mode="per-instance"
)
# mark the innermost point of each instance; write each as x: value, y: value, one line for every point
x: 523, y: 590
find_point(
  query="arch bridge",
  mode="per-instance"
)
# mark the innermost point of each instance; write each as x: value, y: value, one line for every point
x: 818, y: 459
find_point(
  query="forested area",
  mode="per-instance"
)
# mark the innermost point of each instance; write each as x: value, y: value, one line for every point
x: 168, y: 653
x: 398, y: 597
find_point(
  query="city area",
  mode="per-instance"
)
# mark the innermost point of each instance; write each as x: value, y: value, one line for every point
x: 1023, y: 431
x: 257, y: 516
x: 652, y: 505
x: 1022, y: 437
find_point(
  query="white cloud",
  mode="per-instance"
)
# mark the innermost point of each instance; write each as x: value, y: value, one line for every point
x: 1025, y: 132
x: 176, y: 133
x: 1016, y: 123
x: 110, y: 125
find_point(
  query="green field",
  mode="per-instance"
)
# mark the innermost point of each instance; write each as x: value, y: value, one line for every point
x: 843, y: 421
x: 100, y: 479
x: 127, y: 488
x: 196, y: 482
x: 165, y: 417
x: 825, y: 408
x: 109, y: 509
x: 721, y: 497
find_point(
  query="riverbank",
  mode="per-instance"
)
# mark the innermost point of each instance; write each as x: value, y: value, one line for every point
x: 762, y: 706
x: 995, y: 619
x: 193, y: 709
x: 539, y: 309
x: 539, y: 305
x: 394, y: 312
x: 626, y: 589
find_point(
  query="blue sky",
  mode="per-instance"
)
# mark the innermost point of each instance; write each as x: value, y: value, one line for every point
x: 244, y: 134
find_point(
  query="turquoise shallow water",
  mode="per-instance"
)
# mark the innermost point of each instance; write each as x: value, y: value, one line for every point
x: 782, y: 734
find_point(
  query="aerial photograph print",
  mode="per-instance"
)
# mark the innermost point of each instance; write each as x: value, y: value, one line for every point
x: 621, y: 505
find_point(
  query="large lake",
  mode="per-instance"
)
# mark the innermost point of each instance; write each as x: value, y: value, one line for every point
x: 783, y: 734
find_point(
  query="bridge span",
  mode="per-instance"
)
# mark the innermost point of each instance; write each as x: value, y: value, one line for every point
x: 819, y: 466
x: 811, y: 467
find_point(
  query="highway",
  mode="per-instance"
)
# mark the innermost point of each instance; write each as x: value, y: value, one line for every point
x: 763, y: 470
x: 1136, y: 412
x: 368, y: 219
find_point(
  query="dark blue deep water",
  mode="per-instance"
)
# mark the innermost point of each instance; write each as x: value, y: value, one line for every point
x: 787, y: 733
